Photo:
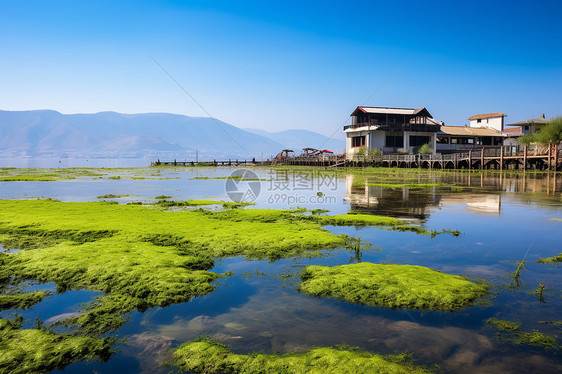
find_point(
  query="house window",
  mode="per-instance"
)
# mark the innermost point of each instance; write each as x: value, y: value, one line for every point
x: 416, y: 141
x: 478, y: 121
x: 526, y: 127
x: 395, y: 141
x: 358, y: 141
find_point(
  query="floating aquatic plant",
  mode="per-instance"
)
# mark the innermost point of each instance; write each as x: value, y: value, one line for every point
x: 392, y: 286
x: 206, y: 355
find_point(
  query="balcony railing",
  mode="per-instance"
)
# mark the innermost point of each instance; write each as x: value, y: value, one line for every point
x: 393, y: 126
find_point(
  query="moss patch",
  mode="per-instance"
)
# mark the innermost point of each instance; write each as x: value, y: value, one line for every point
x: 112, y: 196
x: 209, y: 356
x: 504, y: 325
x: 392, y: 286
x: 518, y: 337
x: 142, y: 257
x: 41, y: 351
x: 21, y: 300
x: 550, y: 260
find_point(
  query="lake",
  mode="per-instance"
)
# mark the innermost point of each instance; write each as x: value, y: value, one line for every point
x: 503, y: 217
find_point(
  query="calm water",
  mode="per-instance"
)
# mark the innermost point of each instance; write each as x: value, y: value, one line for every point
x: 500, y: 216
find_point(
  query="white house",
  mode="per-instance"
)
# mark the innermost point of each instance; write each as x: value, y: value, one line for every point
x: 491, y: 120
x: 390, y: 129
x: 531, y: 126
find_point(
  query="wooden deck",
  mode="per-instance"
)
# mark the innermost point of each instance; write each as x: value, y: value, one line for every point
x: 499, y: 158
x: 495, y: 158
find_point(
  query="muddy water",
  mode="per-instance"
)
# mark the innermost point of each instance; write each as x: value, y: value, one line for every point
x: 501, y: 216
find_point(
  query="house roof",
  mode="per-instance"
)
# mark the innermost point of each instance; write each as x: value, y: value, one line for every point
x: 384, y: 110
x: 513, y: 131
x: 488, y: 115
x: 468, y: 131
x: 541, y: 119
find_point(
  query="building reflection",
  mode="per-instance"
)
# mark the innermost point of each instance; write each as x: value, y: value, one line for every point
x: 416, y: 203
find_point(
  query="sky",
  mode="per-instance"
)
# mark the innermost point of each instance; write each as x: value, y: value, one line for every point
x: 282, y: 65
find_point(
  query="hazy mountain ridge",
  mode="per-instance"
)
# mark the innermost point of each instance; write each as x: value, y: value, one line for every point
x: 50, y: 133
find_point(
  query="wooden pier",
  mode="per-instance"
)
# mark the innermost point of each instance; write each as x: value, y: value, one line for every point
x: 495, y: 158
x: 206, y: 163
x: 487, y: 158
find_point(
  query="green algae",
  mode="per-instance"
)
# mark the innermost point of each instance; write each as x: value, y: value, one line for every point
x: 537, y: 339
x: 112, y: 196
x: 555, y: 323
x: 41, y: 351
x: 504, y: 325
x: 141, y: 257
x: 550, y: 260
x: 518, y: 337
x: 29, y: 178
x: 392, y: 286
x: 163, y: 197
x: 206, y: 355
x: 163, y: 203
x: 21, y: 300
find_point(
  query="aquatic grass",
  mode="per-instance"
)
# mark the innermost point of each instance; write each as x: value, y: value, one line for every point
x: 518, y: 337
x: 392, y: 286
x: 21, y: 300
x: 41, y: 351
x: 112, y: 196
x: 550, y: 260
x: 206, y: 355
x: 139, y: 256
x: 30, y: 178
x: 504, y: 325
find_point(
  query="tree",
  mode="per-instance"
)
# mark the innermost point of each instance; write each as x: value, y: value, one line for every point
x: 551, y: 133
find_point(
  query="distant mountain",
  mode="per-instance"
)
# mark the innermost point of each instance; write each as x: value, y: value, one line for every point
x: 299, y: 139
x: 50, y: 133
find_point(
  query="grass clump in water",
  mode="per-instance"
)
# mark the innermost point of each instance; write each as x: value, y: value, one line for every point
x: 30, y: 178
x: 206, y: 355
x: 534, y: 337
x: 550, y: 260
x: 138, y: 256
x: 504, y: 325
x: 21, y: 300
x: 112, y: 196
x: 41, y: 351
x: 392, y: 286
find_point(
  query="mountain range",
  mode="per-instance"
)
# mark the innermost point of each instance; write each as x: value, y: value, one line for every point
x: 111, y: 134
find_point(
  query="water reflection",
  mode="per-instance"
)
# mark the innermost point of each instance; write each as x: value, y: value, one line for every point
x: 480, y: 194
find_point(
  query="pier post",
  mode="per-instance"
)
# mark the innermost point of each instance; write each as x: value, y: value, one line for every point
x: 470, y: 159
x: 482, y: 159
x: 525, y: 157
x: 549, y: 154
x: 555, y: 157
x: 501, y: 157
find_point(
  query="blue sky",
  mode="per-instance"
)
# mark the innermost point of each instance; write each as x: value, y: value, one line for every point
x: 288, y: 64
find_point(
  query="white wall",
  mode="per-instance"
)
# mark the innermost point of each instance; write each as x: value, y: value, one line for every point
x: 377, y: 139
x: 494, y: 123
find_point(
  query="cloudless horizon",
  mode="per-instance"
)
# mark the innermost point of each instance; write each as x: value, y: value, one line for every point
x: 285, y: 65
